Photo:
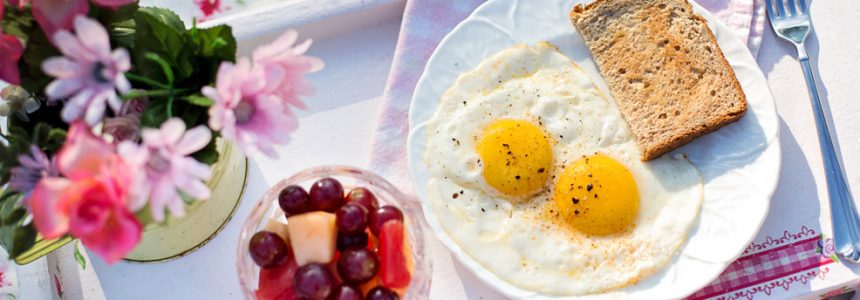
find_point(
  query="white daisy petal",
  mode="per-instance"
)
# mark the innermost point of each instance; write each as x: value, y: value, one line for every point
x: 193, y: 140
x: 60, y: 67
x: 70, y: 46
x: 94, y: 36
x: 172, y: 130
x: 62, y: 88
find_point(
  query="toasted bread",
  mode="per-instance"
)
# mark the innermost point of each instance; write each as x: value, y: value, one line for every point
x: 664, y: 69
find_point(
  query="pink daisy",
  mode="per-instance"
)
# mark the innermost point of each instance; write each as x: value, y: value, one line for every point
x: 164, y: 158
x: 286, y: 65
x: 244, y: 112
x: 89, y: 74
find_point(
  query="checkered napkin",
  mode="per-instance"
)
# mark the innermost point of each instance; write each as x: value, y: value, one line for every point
x: 775, y: 263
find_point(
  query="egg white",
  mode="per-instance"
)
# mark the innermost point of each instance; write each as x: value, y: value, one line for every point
x: 521, y: 242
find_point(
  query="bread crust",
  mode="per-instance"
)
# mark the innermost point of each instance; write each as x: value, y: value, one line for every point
x: 641, y: 104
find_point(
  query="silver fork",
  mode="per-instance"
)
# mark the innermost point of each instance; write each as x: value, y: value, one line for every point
x: 790, y: 21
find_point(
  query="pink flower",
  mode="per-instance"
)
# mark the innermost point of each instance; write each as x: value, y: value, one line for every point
x: 19, y: 3
x: 245, y: 113
x: 286, y: 66
x: 89, y: 74
x: 113, y: 3
x: 90, y: 202
x: 164, y: 158
x: 56, y: 15
x: 125, y: 126
x: 10, y: 52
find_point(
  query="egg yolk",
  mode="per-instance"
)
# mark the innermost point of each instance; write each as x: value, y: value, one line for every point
x: 597, y: 195
x: 516, y: 156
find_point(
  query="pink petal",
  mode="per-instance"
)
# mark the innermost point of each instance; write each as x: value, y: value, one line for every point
x: 96, y: 110
x: 121, y: 59
x: 162, y: 193
x: 172, y: 130
x: 224, y: 76
x: 10, y: 52
x: 55, y: 15
x: 117, y: 237
x: 193, y: 140
x: 303, y: 47
x: 60, y: 67
x: 84, y: 154
x: 113, y: 3
x: 280, y: 45
x: 194, y: 188
x: 177, y: 208
x: 75, y: 107
x: 93, y: 36
x: 71, y: 47
x: 196, y: 169
x: 62, y: 88
x: 152, y: 137
x: 50, y: 220
x: 114, y: 102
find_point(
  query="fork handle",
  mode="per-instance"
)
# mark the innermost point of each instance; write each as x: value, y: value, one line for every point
x: 846, y: 222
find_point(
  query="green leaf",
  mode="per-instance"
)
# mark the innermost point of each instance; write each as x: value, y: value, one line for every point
x: 165, y: 66
x: 122, y: 34
x: 17, y: 23
x: 36, y: 50
x: 208, y: 155
x: 216, y: 42
x: 24, y: 237
x: 80, y: 257
x: 160, y: 31
x: 199, y: 100
x: 154, y: 114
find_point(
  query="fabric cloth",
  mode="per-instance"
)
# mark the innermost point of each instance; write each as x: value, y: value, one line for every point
x: 426, y: 22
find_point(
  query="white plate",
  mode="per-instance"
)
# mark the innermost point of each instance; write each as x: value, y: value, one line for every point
x: 740, y: 162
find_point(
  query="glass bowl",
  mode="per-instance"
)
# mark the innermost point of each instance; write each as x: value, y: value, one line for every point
x: 385, y: 192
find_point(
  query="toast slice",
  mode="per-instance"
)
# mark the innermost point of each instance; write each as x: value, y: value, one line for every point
x: 664, y: 69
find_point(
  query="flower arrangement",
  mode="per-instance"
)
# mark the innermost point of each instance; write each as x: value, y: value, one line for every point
x: 113, y: 111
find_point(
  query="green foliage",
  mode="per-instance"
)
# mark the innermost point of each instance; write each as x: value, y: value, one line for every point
x: 160, y: 31
x: 199, y: 100
x: 170, y: 65
x: 14, y: 235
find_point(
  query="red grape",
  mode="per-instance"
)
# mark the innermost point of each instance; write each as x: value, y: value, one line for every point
x: 351, y: 218
x: 267, y: 249
x: 357, y: 266
x: 364, y: 197
x: 382, y: 215
x: 346, y: 292
x: 314, y: 281
x: 381, y: 293
x: 294, y: 200
x: 354, y: 240
x: 392, y: 268
x: 326, y: 195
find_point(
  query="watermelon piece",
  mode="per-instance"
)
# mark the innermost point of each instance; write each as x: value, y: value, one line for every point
x: 277, y: 283
x: 394, y: 270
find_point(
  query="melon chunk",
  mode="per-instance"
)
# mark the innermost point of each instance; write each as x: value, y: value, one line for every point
x: 313, y: 237
x: 279, y: 228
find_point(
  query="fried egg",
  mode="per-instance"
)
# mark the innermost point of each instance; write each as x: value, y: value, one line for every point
x: 537, y: 177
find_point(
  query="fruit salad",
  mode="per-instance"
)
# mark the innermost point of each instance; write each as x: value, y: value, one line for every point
x: 328, y: 243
